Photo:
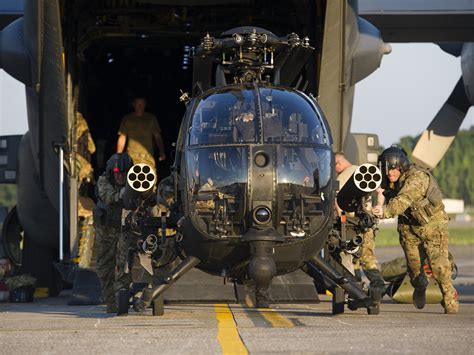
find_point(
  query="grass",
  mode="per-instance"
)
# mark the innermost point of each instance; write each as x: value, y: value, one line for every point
x: 457, y: 236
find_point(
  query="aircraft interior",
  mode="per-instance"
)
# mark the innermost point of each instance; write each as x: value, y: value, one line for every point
x: 125, y: 48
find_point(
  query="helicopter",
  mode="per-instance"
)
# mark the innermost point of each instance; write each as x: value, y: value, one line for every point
x: 252, y: 186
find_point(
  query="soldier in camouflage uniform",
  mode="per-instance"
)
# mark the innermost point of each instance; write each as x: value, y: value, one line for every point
x: 111, y: 239
x: 85, y: 148
x: 415, y: 197
x: 140, y: 132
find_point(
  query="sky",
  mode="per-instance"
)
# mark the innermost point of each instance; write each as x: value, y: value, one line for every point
x: 405, y: 93
x: 398, y: 99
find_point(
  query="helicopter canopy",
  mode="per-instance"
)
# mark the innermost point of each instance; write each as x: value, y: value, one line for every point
x: 235, y: 115
x: 227, y: 121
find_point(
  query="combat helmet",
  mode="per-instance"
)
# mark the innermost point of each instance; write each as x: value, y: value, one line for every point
x: 119, y: 162
x: 393, y: 158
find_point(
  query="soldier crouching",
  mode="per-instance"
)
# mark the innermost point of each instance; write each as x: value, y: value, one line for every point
x: 416, y: 198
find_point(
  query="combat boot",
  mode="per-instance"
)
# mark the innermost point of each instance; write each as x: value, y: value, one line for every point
x: 138, y: 305
x: 450, y: 302
x: 420, y: 283
x: 451, y: 307
x: 377, y: 284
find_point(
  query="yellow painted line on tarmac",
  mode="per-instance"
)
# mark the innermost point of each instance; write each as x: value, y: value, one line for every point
x: 275, y: 319
x: 227, y: 333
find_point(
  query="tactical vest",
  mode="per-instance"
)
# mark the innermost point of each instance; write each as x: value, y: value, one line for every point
x: 431, y: 204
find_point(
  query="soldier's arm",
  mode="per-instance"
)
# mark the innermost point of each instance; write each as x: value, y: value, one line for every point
x: 412, y: 191
x: 122, y: 139
x: 107, y: 193
x: 380, y: 197
x: 90, y: 143
x: 122, y: 135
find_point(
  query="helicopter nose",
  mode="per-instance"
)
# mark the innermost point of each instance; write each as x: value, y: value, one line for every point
x: 262, y: 215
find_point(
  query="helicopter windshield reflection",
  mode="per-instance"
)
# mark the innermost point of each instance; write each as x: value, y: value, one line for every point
x: 308, y: 167
x: 226, y: 117
x: 236, y: 116
x: 225, y: 126
x: 288, y: 117
x: 216, y: 167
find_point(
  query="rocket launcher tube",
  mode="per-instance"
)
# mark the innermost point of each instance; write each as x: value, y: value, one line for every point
x: 365, y: 180
x: 141, y: 179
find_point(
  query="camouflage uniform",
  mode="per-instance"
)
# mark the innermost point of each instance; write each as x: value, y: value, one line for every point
x: 140, y: 131
x: 85, y: 148
x: 110, y: 240
x: 368, y: 259
x: 423, y: 223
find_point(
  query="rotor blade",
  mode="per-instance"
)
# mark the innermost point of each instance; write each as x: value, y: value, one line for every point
x: 452, y: 48
x: 437, y: 138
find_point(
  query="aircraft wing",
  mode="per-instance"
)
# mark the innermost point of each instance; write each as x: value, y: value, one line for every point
x: 10, y: 10
x: 452, y: 24
x: 352, y: 49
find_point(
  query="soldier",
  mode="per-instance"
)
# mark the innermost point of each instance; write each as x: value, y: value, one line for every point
x: 140, y: 131
x: 414, y: 196
x: 13, y: 287
x: 108, y: 221
x: 367, y: 260
x: 85, y: 148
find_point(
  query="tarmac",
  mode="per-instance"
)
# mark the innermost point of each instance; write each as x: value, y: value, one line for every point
x: 50, y: 326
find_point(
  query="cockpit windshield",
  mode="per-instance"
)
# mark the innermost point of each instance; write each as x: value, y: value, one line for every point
x: 240, y: 116
x: 243, y: 141
x: 289, y: 118
x: 214, y: 168
x: 225, y: 117
x: 304, y: 166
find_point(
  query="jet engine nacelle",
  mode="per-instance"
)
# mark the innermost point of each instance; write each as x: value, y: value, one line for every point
x: 368, y: 52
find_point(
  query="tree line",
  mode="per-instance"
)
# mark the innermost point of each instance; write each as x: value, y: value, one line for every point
x: 455, y: 172
x: 7, y: 195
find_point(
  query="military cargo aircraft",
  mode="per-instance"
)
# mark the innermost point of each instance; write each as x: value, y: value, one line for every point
x: 89, y: 56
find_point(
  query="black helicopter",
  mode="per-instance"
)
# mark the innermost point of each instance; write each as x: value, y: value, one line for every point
x: 252, y: 187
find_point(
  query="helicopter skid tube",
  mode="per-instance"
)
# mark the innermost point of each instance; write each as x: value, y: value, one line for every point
x: 332, y: 274
x: 149, y: 294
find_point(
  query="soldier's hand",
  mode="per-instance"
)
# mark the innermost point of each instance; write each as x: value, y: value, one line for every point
x: 122, y: 193
x: 377, y: 211
x: 162, y: 156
